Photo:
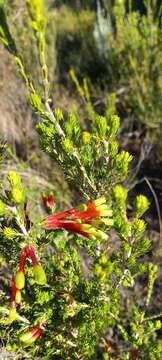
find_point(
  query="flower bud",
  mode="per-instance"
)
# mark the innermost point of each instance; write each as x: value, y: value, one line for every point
x: 120, y: 195
x: 39, y: 274
x: 138, y: 226
x: 18, y: 195
x: 141, y: 205
x: 14, y: 178
x: 18, y: 296
x: 20, y: 280
x: 48, y: 200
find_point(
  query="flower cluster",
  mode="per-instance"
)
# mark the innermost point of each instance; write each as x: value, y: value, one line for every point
x: 18, y: 282
x: 48, y: 200
x: 83, y: 220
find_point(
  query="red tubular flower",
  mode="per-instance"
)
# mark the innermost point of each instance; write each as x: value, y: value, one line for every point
x: 31, y: 335
x: 63, y: 214
x: 84, y: 219
x: 18, y: 283
x: 74, y: 227
x: 39, y: 274
x: 28, y: 252
x: 20, y: 277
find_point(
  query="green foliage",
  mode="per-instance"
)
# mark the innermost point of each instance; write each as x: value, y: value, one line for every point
x: 55, y: 303
x: 5, y: 34
x: 72, y: 27
x: 37, y: 13
x: 141, y: 205
x: 120, y: 195
x: 135, y: 51
x: 137, y: 47
x: 119, y: 49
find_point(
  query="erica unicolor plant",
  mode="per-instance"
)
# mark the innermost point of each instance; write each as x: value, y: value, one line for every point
x: 61, y: 306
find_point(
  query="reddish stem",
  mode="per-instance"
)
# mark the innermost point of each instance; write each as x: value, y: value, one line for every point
x: 13, y: 289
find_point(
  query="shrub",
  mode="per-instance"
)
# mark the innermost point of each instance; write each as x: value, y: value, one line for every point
x: 120, y: 52
x: 57, y: 310
x: 135, y: 49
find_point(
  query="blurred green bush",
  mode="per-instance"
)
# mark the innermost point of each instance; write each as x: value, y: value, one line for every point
x: 119, y: 49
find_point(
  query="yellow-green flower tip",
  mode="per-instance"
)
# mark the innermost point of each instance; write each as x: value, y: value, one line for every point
x: 26, y: 337
x: 20, y: 280
x: 18, y: 297
x: 12, y: 315
x: 99, y: 201
x: 39, y: 274
x: 14, y: 178
x: 101, y: 235
x: 18, y: 195
x: 30, y: 336
x: 106, y: 212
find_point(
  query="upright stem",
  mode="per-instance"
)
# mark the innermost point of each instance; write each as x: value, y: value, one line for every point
x: 74, y: 155
x: 18, y: 219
